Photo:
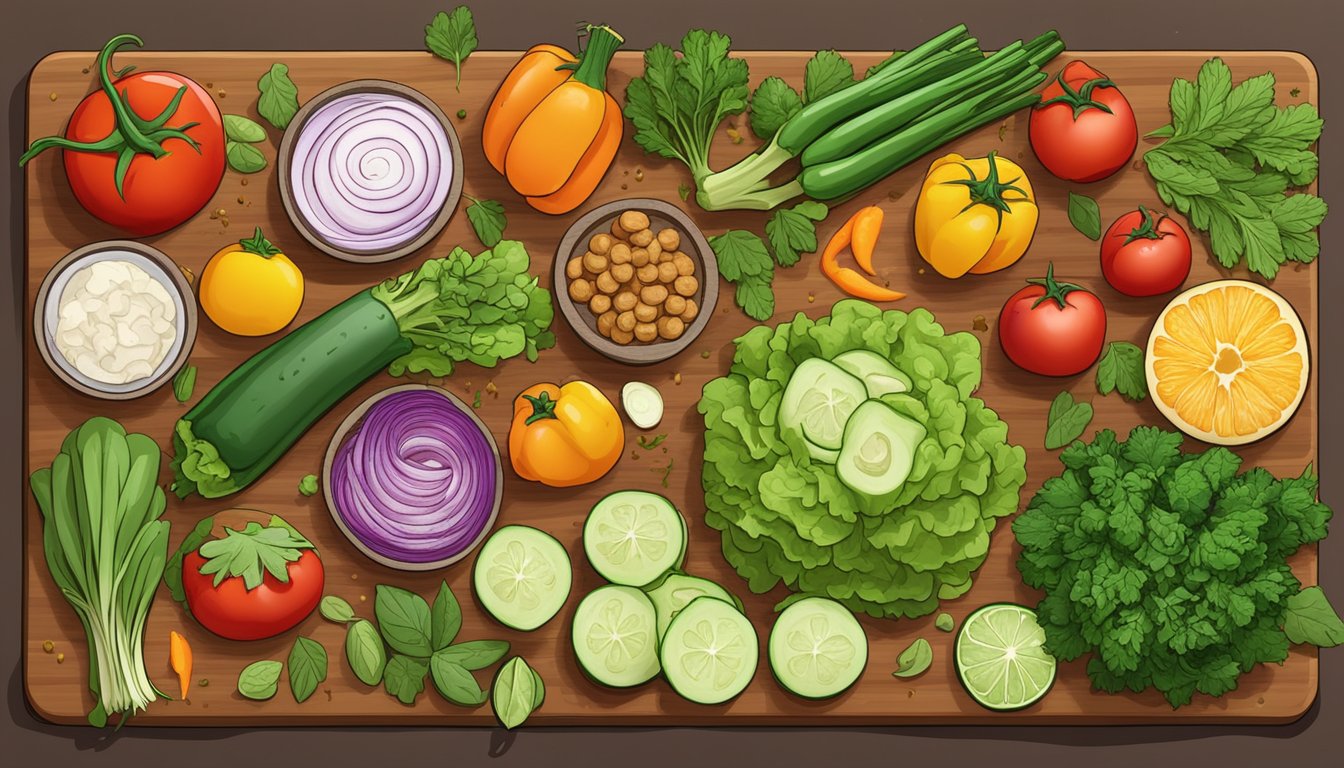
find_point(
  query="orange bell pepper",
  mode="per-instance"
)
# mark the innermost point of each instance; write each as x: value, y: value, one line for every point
x: 552, y: 129
x: 564, y: 436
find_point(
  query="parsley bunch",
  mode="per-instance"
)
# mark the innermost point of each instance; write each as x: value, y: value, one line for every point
x: 1169, y: 567
x: 1229, y: 161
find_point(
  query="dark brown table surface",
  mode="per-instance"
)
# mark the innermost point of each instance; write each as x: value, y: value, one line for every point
x: 38, y: 28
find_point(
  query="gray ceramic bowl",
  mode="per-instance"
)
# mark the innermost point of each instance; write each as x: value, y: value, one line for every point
x: 286, y: 157
x: 46, y: 315
x: 693, y: 244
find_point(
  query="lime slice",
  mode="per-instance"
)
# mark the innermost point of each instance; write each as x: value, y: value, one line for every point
x: 1000, y: 659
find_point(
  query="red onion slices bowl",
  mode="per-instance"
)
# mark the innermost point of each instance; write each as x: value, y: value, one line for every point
x: 370, y: 170
x: 413, y: 478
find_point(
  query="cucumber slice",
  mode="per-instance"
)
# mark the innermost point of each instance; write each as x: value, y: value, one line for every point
x: 817, y: 648
x: 879, y: 449
x: 710, y: 652
x: 615, y: 636
x: 633, y: 537
x: 522, y: 577
x: 876, y: 372
x: 677, y: 591
x: 1000, y: 659
x: 643, y: 404
x: 818, y: 401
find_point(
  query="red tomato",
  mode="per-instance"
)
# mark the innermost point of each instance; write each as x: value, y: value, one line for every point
x: 1083, y: 129
x: 1143, y: 257
x: 1052, y: 328
x: 157, y: 193
x: 234, y: 612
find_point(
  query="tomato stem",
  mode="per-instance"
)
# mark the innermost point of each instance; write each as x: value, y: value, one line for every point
x: 1081, y: 99
x: 132, y: 135
x: 543, y: 407
x: 1054, y: 291
x: 989, y: 190
x: 259, y: 245
x: 1147, y: 229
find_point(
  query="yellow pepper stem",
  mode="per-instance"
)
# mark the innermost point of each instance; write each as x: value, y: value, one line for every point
x: 543, y: 407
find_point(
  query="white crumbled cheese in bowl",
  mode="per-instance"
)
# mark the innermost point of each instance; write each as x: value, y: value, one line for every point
x: 116, y: 322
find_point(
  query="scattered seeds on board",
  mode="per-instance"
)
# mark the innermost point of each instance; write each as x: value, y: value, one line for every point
x: 53, y: 96
x: 811, y: 298
x: 461, y: 114
x: 921, y: 270
x: 978, y: 323
x: 60, y: 658
x: 203, y: 683
x: 676, y: 378
x: 363, y: 598
x: 705, y: 354
x: 491, y: 389
x: 222, y: 93
x: 734, y: 135
x: 48, y: 646
x: 625, y: 186
x: 354, y: 577
x: 84, y: 71
x: 639, y: 174
x: 244, y: 180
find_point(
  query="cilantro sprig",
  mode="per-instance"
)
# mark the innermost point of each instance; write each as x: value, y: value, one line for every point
x: 1229, y: 161
x: 452, y: 37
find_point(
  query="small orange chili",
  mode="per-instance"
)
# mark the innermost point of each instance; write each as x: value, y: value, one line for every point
x: 867, y: 225
x: 855, y: 284
x: 179, y: 658
x: 859, y: 233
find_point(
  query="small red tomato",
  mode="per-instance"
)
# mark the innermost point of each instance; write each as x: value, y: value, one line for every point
x: 1052, y: 328
x: 250, y: 602
x: 1083, y: 130
x: 1143, y: 256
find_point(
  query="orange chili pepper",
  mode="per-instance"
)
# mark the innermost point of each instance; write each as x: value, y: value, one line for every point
x: 838, y: 242
x: 179, y: 657
x: 857, y: 285
x: 867, y: 224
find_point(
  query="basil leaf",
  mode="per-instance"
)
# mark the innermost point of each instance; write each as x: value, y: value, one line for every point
x: 336, y: 609
x: 445, y: 618
x: 515, y: 693
x: 260, y: 679
x: 365, y: 653
x: 475, y: 654
x: 1066, y: 421
x: 403, y: 619
x: 404, y: 677
x: 914, y: 660
x: 279, y: 99
x: 1311, y: 619
x: 307, y: 667
x: 244, y: 158
x: 488, y: 221
x: 1085, y: 215
x: 184, y: 383
x: 454, y: 682
x: 244, y: 129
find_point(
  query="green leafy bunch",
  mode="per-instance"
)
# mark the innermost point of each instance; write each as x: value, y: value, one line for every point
x: 785, y: 518
x: 1170, y: 568
x: 1229, y: 161
x: 480, y: 309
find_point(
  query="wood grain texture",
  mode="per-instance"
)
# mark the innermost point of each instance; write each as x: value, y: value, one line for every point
x: 56, y: 225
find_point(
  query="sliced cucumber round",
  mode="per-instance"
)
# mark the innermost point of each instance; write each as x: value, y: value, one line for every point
x: 709, y: 653
x: 817, y: 648
x: 633, y: 537
x: 522, y: 577
x: 818, y: 401
x: 677, y: 591
x: 1000, y: 658
x: 615, y: 636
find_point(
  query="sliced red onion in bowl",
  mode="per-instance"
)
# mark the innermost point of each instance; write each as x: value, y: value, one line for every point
x: 370, y: 171
x: 415, y: 481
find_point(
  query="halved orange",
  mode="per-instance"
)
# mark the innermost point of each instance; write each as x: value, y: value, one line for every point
x: 1227, y: 362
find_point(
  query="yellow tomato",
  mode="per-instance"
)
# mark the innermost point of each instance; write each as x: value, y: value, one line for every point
x: 974, y: 215
x: 564, y: 436
x: 250, y: 288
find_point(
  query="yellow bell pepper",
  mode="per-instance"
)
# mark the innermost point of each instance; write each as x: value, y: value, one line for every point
x: 974, y: 215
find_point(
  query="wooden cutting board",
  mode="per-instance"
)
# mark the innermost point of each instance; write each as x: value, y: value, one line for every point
x: 56, y: 224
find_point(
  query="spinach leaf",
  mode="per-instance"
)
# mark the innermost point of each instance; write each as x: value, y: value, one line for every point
x: 454, y: 682
x: 445, y: 618
x: 1085, y: 215
x: 404, y: 620
x: 260, y: 680
x: 279, y: 99
x: 474, y: 654
x: 1066, y: 421
x: 307, y: 667
x: 1311, y: 619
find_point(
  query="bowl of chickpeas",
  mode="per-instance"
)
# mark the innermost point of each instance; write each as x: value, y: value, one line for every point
x: 636, y: 280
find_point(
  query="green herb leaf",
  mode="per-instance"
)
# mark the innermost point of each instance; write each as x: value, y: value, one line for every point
x: 649, y: 443
x: 336, y: 609
x: 944, y: 622
x: 365, y: 652
x: 1311, y: 619
x: 184, y: 383
x: 244, y: 129
x: 279, y: 99
x: 683, y: 191
x: 404, y: 620
x: 252, y: 552
x: 488, y: 220
x: 404, y: 677
x: 516, y: 693
x: 308, y: 485
x: 772, y: 104
x: 244, y: 158
x: 827, y: 72
x: 454, y: 682
x: 172, y: 572
x: 1085, y: 215
x: 452, y: 36
x: 1121, y: 368
x: 663, y: 472
x: 914, y: 660
x: 1066, y: 421
x: 307, y: 668
x: 260, y: 680
x: 740, y: 253
x: 445, y: 618
x: 756, y: 298
x: 474, y: 654
x: 793, y: 231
